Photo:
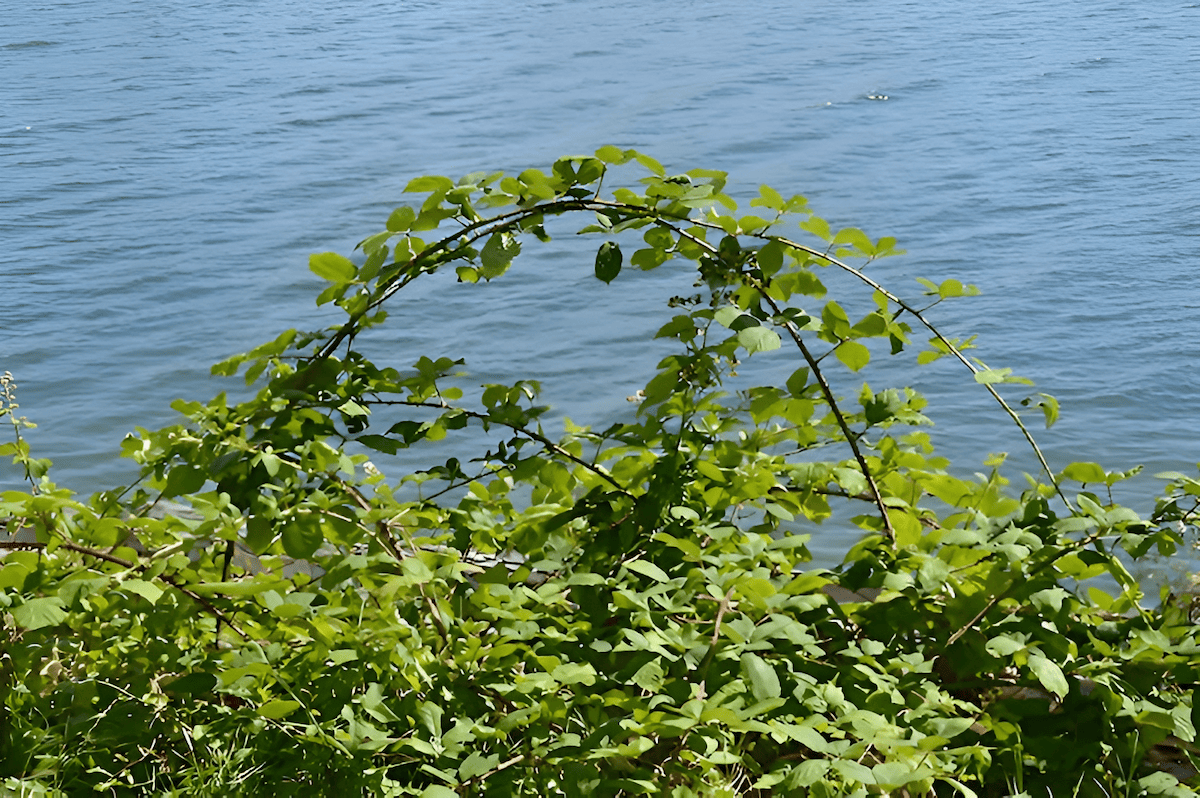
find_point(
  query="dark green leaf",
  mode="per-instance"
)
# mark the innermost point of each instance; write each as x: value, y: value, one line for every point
x: 608, y: 261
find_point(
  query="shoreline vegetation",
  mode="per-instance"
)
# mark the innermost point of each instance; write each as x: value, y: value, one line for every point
x: 619, y: 611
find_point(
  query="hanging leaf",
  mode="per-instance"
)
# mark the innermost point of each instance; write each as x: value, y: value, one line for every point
x: 497, y: 255
x: 608, y: 262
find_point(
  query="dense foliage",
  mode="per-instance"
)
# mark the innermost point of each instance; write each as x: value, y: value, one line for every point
x: 609, y: 612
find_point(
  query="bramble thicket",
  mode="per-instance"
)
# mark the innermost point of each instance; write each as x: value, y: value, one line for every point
x: 314, y: 592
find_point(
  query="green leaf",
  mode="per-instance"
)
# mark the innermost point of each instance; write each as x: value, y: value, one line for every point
x: 1084, y: 472
x: 836, y: 322
x: 497, y: 255
x: 401, y: 219
x: 239, y: 587
x: 332, y: 267
x: 768, y: 198
x: 429, y: 183
x: 147, y: 590
x: 615, y: 155
x: 476, y: 765
x: 648, y: 569
x: 302, y: 535
x: 438, y: 791
x: 649, y: 677
x: 764, y: 682
x: 853, y: 354
x: 770, y: 258
x: 1049, y: 674
x: 856, y: 238
x: 259, y: 533
x: 759, y: 339
x: 278, y: 708
x: 645, y: 160
x: 993, y: 376
x: 39, y: 612
x: 1047, y: 403
x: 381, y: 443
x: 608, y: 262
x: 182, y: 480
x: 818, y: 227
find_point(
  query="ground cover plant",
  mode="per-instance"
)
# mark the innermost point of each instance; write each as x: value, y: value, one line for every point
x: 272, y: 609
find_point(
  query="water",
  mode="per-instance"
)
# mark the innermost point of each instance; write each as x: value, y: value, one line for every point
x: 166, y: 171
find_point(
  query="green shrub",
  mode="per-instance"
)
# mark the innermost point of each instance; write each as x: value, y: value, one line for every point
x: 606, y: 612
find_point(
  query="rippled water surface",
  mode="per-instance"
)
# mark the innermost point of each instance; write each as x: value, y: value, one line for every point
x: 166, y: 171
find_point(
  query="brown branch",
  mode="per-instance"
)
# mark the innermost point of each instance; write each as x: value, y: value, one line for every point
x: 170, y: 580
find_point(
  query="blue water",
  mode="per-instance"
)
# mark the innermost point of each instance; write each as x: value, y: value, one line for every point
x: 166, y: 171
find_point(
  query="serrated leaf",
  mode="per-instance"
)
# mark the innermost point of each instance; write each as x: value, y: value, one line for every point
x: 332, y: 267
x: 608, y: 262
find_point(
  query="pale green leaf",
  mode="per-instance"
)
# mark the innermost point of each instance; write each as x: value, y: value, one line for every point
x: 759, y: 339
x: 853, y: 354
x: 648, y: 569
x: 764, y: 682
x: 332, y: 267
x: 39, y: 612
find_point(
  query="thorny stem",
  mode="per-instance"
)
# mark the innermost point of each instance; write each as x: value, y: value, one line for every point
x: 850, y: 435
x: 507, y: 221
x: 917, y: 314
